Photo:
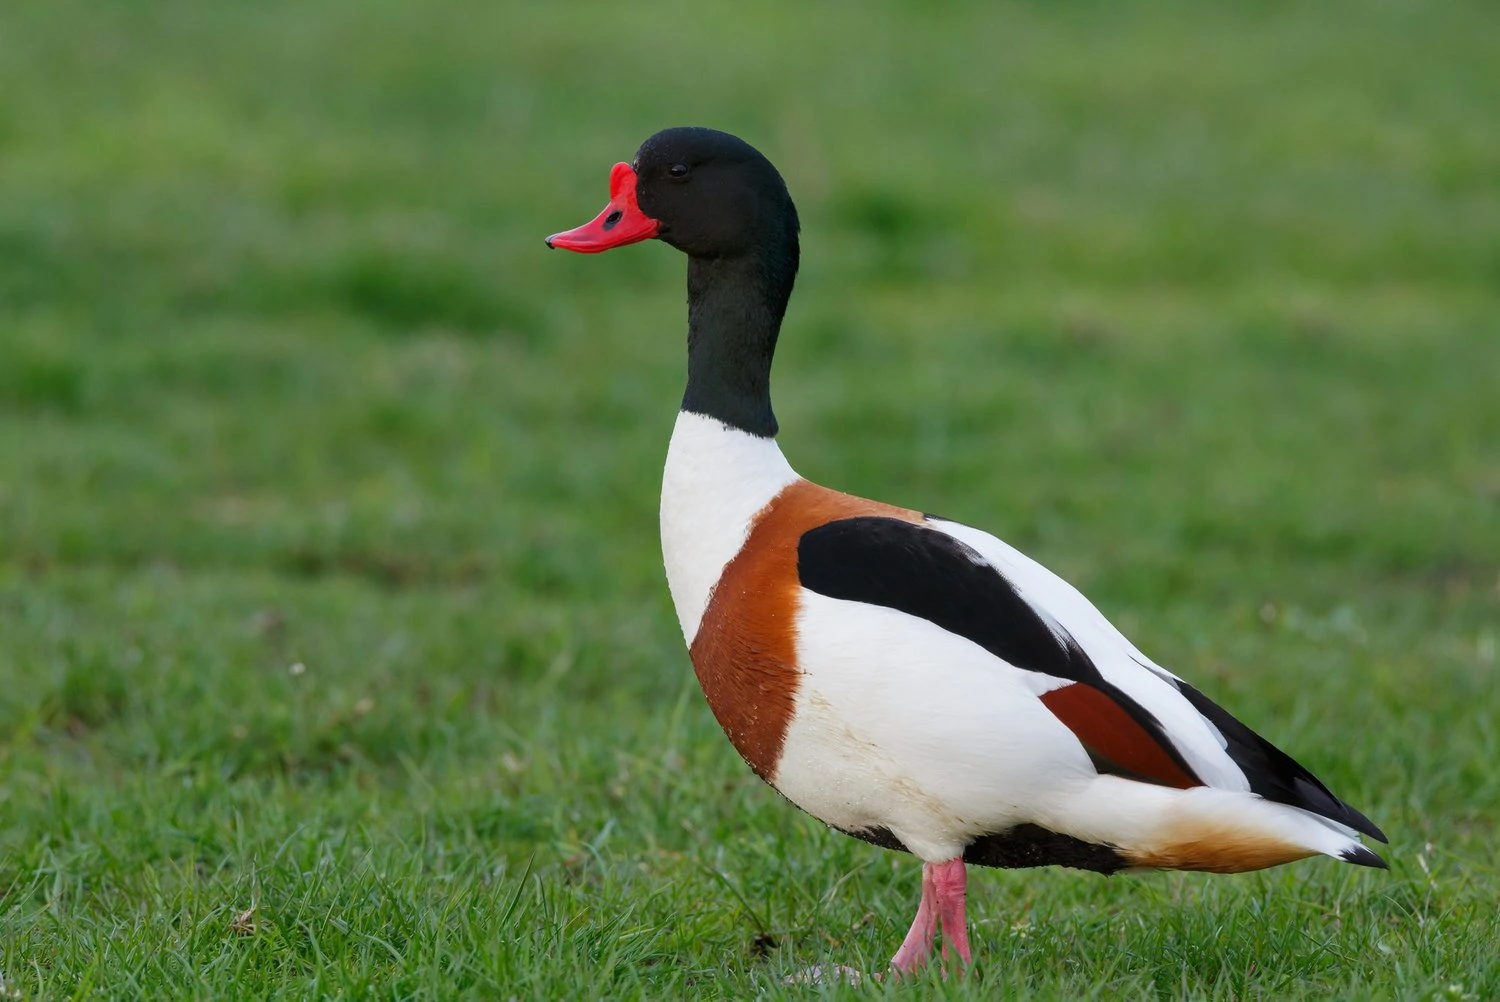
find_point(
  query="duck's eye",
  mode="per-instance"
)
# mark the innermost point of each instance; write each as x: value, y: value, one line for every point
x: 678, y: 170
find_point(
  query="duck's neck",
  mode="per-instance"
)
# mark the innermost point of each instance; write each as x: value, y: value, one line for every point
x: 735, y: 306
x: 723, y: 465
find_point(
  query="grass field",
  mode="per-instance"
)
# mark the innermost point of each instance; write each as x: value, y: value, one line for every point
x: 335, y: 654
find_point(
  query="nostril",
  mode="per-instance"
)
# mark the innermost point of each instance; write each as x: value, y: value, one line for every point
x: 613, y: 218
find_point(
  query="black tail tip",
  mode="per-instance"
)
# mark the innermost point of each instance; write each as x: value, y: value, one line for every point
x: 1360, y: 856
x: 1360, y: 823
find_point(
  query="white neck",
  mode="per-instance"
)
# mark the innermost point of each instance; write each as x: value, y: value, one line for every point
x: 717, y: 479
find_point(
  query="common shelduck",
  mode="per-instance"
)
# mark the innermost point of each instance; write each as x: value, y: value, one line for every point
x: 906, y: 679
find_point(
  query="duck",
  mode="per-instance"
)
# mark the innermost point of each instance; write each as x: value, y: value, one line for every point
x: 906, y: 679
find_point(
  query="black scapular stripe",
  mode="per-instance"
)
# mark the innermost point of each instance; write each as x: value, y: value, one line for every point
x: 927, y: 573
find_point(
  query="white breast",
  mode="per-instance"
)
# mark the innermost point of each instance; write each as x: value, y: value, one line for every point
x: 717, y: 479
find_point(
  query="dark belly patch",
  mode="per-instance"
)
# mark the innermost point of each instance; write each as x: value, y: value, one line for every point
x: 1021, y: 847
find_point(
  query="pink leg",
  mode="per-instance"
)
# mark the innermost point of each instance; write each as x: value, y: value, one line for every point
x: 949, y: 882
x: 917, y: 946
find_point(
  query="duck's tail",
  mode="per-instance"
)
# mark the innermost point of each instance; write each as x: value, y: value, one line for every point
x: 1202, y: 828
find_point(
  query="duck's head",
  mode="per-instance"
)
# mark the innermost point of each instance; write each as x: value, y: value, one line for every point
x: 716, y: 199
x: 707, y: 193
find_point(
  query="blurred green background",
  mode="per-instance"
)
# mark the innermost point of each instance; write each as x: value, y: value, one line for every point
x: 335, y: 656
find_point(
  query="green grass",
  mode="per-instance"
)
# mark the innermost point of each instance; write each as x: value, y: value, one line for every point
x: 335, y: 656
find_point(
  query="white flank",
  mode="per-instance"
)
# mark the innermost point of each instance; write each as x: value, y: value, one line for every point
x: 717, y: 479
x: 903, y: 725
